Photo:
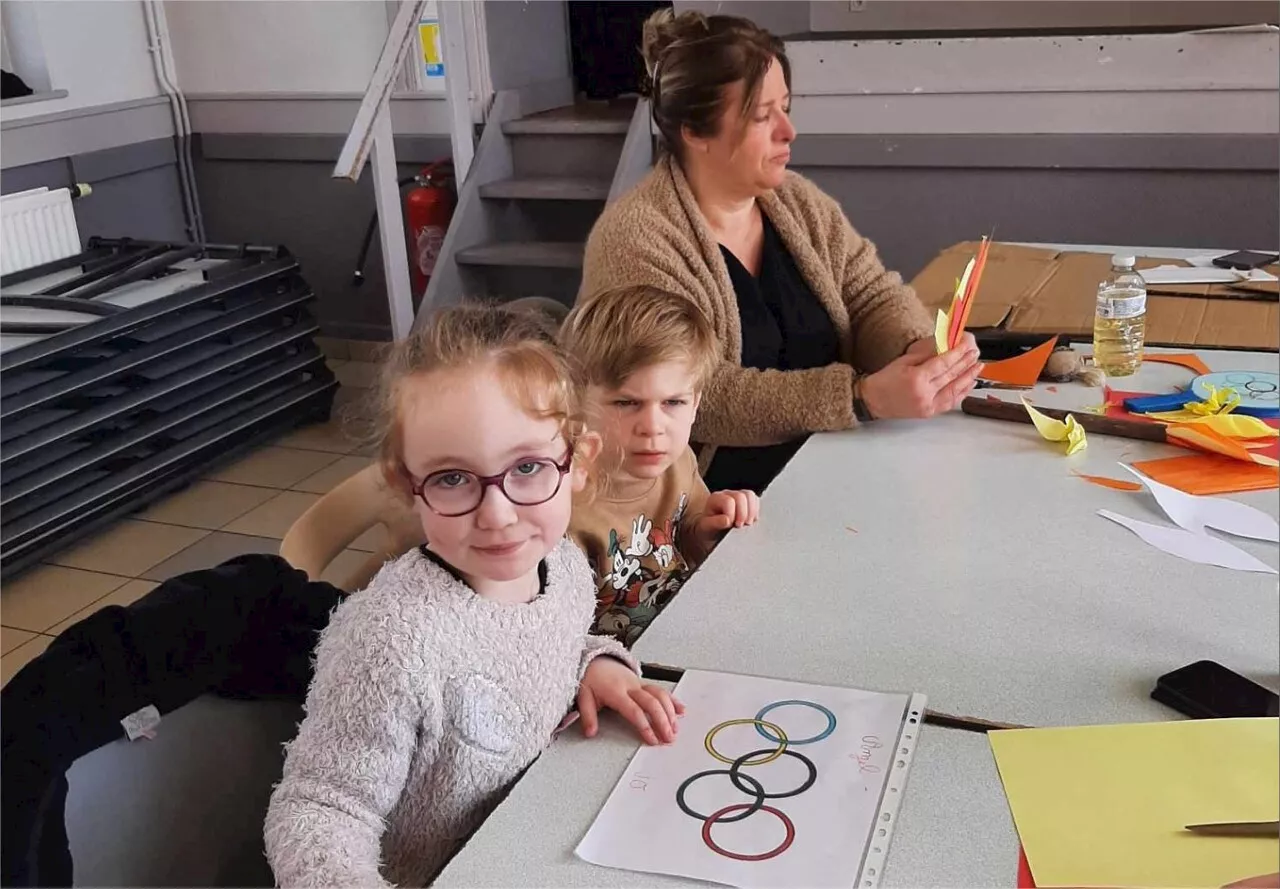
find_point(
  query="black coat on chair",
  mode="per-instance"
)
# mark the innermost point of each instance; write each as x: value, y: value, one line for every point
x: 245, y: 629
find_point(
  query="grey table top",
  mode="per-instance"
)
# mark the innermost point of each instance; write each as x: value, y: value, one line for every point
x: 979, y: 574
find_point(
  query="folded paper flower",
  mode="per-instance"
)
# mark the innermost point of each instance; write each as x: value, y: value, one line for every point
x: 1220, y: 401
x: 1050, y: 429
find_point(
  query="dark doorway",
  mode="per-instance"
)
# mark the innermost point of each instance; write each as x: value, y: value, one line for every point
x: 605, y: 40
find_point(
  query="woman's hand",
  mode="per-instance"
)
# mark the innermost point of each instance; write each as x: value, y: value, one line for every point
x: 611, y: 683
x: 922, y: 383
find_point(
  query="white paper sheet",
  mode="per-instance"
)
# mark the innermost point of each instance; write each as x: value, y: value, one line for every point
x: 1195, y: 513
x: 859, y: 743
x: 1193, y: 547
x: 1177, y: 274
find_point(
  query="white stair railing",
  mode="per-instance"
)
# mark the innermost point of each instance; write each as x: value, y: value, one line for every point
x: 371, y: 134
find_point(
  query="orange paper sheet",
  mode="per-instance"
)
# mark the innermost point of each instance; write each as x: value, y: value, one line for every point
x: 1021, y: 370
x: 1117, y: 484
x: 1189, y: 360
x: 1205, y: 474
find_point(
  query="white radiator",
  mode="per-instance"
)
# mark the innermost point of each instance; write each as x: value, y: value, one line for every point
x: 38, y: 226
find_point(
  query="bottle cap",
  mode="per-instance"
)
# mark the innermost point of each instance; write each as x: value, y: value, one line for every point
x: 1124, y: 261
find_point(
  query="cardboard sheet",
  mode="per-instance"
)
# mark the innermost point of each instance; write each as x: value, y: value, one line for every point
x: 1035, y: 290
x: 1106, y: 805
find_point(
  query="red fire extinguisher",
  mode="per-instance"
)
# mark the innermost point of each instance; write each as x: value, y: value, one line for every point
x: 428, y: 207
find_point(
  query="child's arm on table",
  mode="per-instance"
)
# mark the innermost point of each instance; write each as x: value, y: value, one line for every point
x: 613, y: 681
x: 348, y: 766
x: 708, y: 516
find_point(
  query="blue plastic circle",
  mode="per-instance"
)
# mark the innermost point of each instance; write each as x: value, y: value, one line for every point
x: 1259, y: 390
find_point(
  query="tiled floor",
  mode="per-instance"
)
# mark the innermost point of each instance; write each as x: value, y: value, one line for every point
x: 244, y: 507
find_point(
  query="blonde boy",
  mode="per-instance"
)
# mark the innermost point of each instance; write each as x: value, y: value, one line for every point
x: 644, y: 357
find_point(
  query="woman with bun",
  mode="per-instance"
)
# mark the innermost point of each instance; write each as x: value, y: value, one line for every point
x: 815, y: 334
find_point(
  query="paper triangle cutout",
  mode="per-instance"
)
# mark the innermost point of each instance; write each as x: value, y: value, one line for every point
x: 1189, y: 360
x: 1021, y: 370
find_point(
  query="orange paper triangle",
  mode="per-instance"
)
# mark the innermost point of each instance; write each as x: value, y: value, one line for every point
x: 1117, y: 484
x: 1189, y: 360
x: 1021, y: 370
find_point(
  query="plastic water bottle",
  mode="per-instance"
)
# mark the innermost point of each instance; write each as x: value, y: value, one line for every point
x: 1120, y: 324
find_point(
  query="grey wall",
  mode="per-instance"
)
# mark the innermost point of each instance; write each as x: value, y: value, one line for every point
x: 796, y: 17
x: 136, y: 192
x: 528, y: 42
x: 915, y: 195
x: 278, y: 189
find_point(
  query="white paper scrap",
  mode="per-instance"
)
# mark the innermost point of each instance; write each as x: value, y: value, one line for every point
x: 1177, y: 274
x: 1195, y: 513
x: 1199, y: 548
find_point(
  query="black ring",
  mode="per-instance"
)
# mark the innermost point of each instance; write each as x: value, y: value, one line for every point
x: 760, y: 795
x: 735, y: 774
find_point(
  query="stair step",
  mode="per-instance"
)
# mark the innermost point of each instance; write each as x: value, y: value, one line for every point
x: 568, y: 126
x: 536, y: 254
x: 540, y: 188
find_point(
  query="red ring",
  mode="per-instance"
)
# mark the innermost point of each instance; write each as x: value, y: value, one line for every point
x: 737, y: 856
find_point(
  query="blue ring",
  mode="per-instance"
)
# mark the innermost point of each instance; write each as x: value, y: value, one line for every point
x: 791, y: 742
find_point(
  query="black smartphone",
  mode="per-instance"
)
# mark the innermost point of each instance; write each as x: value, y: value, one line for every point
x: 1208, y: 690
x: 1245, y: 259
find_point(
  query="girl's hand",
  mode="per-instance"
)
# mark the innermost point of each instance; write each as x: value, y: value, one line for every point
x: 923, y: 383
x: 611, y: 683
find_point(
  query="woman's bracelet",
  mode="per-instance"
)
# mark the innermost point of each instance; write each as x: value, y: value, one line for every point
x: 860, y: 409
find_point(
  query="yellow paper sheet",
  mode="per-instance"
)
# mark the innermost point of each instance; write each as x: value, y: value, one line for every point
x: 1050, y: 429
x: 1230, y: 425
x: 1106, y: 805
x: 940, y: 331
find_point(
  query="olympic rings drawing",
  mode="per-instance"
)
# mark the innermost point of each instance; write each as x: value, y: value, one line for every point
x: 752, y: 787
x: 831, y: 722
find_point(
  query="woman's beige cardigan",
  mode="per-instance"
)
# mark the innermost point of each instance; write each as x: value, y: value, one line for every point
x: 655, y: 234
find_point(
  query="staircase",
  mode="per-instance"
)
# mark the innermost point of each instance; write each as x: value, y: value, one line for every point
x: 563, y: 163
x: 536, y: 186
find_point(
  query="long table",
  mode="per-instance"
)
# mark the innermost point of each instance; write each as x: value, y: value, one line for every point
x: 960, y: 557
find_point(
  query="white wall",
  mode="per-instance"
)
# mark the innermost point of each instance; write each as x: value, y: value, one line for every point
x: 276, y: 46
x: 96, y: 51
x: 1148, y: 83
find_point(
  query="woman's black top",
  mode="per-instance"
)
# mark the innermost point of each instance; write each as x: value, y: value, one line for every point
x: 784, y: 327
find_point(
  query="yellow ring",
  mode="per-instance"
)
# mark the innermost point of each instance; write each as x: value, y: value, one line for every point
x: 778, y: 732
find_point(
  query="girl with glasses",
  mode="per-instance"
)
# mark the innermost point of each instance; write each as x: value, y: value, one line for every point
x: 439, y: 683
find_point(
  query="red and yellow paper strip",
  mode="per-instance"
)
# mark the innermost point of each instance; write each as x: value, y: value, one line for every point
x: 950, y: 324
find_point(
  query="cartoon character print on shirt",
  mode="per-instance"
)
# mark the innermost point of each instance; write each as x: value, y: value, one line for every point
x: 645, y: 574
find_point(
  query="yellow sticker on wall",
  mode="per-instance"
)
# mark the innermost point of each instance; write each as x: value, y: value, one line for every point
x: 432, y: 58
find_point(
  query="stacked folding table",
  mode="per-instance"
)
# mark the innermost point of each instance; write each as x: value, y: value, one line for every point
x: 128, y: 369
